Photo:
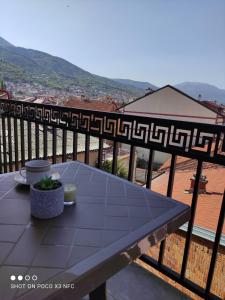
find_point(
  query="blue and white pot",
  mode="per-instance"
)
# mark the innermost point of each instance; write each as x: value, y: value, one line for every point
x: 46, y: 204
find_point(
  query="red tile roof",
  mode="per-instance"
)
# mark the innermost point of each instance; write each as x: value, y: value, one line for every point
x: 76, y: 102
x: 214, y: 106
x: 208, y: 207
x: 4, y: 94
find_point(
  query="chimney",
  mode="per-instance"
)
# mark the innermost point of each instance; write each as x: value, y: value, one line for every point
x: 202, y: 184
x: 149, y: 90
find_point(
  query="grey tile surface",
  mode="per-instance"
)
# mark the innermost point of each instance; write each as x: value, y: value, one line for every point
x: 5, y: 273
x: 88, y: 237
x: 14, y: 211
x: 53, y: 256
x: 110, y: 236
x: 134, y: 283
x: 26, y: 248
x: 59, y: 236
x: 79, y: 253
x: 5, y: 248
x: 11, y: 233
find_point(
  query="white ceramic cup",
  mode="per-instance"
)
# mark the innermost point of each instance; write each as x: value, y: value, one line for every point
x: 35, y: 170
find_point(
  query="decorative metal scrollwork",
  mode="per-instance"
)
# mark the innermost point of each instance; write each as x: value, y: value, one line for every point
x: 196, y: 140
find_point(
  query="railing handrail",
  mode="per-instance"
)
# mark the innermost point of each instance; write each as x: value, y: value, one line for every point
x: 205, y: 142
x: 103, y: 113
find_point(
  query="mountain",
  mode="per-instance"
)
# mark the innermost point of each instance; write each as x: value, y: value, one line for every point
x: 137, y: 84
x: 4, y: 43
x: 18, y: 64
x: 207, y: 91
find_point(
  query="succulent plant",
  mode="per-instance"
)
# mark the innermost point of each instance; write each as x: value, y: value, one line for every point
x: 47, y: 183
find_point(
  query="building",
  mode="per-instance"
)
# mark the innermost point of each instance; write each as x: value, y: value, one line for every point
x: 210, y: 197
x: 205, y: 224
x: 93, y: 153
x: 82, y: 103
x: 170, y: 103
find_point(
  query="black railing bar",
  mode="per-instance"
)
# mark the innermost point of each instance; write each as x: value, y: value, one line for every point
x: 188, y: 124
x: 219, y: 139
x: 37, y: 140
x: 82, y: 129
x: 1, y: 149
x: 150, y: 168
x: 100, y: 153
x: 114, y: 115
x: 45, y: 141
x: 9, y: 143
x: 54, y: 144
x: 75, y: 141
x: 70, y: 126
x: 191, y: 221
x: 180, y: 152
x: 22, y: 142
x: 169, y: 149
x: 216, y: 246
x: 131, y: 163
x: 87, y: 149
x: 29, y: 140
x: 171, y: 176
x: 191, y: 286
x: 64, y: 145
x: 115, y: 156
x: 4, y: 144
x: 169, y: 194
x: 15, y: 133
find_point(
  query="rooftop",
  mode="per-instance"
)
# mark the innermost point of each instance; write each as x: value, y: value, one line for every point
x: 78, y: 102
x: 210, y: 105
x: 209, y: 203
x: 4, y: 94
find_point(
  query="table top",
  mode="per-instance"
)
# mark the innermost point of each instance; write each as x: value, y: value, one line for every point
x: 112, y: 223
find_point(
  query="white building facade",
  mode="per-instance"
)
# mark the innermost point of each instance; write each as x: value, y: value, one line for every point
x: 170, y: 103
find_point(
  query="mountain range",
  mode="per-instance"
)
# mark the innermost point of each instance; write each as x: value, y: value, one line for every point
x: 18, y: 64
x: 197, y: 90
x: 137, y: 84
x: 202, y: 91
x: 21, y: 65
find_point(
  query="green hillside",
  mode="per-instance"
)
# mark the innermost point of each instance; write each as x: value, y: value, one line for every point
x: 26, y: 65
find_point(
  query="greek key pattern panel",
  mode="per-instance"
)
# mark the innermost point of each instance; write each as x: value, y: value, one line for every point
x: 201, y: 141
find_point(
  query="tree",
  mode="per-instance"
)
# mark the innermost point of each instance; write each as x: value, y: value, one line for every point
x: 2, y: 84
x: 120, y: 170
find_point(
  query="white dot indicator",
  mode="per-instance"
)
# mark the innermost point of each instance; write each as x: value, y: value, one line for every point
x: 27, y: 277
x: 13, y: 277
x: 20, y: 277
x: 34, y: 277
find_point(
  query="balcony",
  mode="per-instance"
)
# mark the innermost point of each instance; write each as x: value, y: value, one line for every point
x: 31, y: 131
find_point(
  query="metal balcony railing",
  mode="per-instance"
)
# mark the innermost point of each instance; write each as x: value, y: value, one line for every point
x: 24, y: 124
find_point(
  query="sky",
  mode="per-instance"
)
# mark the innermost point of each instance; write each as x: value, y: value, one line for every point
x: 159, y: 41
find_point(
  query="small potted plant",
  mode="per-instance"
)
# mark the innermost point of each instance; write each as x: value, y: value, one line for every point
x: 47, y: 198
